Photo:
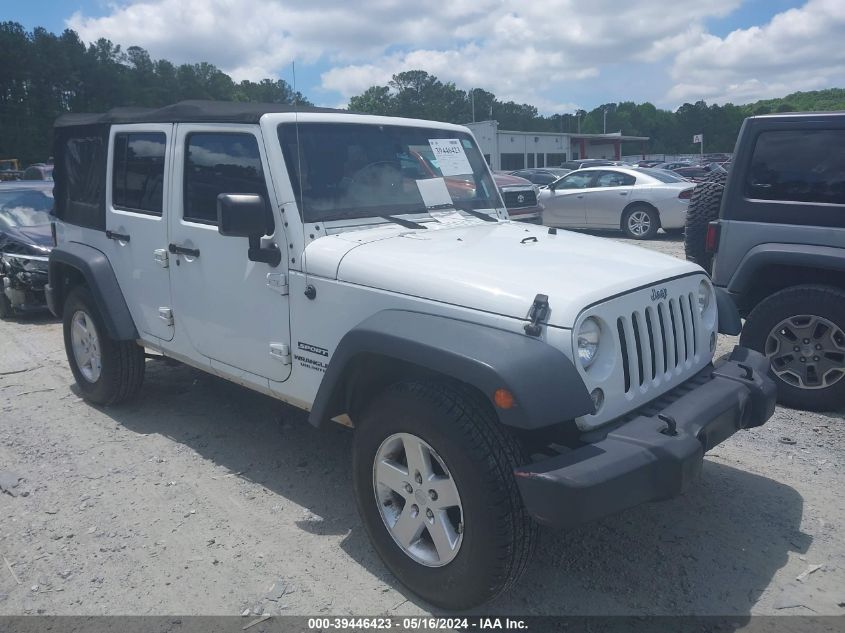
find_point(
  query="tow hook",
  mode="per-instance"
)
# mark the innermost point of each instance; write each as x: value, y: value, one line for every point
x: 671, y: 426
x: 539, y: 311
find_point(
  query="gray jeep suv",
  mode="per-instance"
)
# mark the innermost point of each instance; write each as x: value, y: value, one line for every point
x: 778, y: 248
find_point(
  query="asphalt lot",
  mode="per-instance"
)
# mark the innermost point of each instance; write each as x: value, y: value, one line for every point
x: 201, y: 496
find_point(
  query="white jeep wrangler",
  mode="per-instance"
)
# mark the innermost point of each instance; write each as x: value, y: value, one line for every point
x: 363, y: 268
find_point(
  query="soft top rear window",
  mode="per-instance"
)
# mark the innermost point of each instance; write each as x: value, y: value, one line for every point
x: 352, y: 170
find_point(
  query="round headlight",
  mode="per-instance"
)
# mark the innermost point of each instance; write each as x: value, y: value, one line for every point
x: 588, y: 341
x: 704, y: 296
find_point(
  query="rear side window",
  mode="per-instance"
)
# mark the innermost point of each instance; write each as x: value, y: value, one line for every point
x: 138, y: 172
x: 798, y: 166
x: 218, y: 163
x: 580, y: 180
x: 614, y: 179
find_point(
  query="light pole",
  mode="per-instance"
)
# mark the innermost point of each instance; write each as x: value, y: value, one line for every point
x: 605, y: 121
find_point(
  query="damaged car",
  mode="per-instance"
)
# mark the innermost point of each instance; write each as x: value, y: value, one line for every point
x: 25, y: 244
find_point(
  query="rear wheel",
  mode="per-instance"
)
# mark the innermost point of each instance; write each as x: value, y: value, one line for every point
x: 802, y: 331
x: 106, y: 371
x: 640, y: 222
x: 433, y: 479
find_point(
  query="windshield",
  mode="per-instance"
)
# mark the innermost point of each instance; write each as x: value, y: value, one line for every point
x: 663, y: 175
x: 25, y: 208
x: 350, y: 170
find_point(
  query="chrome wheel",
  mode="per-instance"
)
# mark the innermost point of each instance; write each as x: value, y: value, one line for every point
x: 418, y: 500
x: 807, y: 351
x: 86, y: 346
x: 639, y: 223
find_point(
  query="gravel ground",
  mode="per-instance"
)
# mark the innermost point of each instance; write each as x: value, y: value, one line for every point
x: 205, y: 498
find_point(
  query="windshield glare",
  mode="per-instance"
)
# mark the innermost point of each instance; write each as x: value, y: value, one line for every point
x: 25, y: 208
x: 342, y: 171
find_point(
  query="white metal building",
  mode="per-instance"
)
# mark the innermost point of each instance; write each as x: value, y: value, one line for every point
x: 509, y: 150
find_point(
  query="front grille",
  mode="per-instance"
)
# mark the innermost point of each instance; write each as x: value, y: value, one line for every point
x: 658, y: 339
x: 520, y: 198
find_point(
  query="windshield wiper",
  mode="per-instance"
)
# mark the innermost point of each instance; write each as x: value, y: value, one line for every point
x: 480, y: 215
x: 408, y: 224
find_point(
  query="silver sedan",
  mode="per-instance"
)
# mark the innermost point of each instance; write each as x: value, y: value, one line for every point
x: 637, y: 201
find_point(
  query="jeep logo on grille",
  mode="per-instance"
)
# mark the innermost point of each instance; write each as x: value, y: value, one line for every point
x: 520, y: 198
x: 658, y: 293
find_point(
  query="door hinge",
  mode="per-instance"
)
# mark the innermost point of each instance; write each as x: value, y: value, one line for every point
x: 161, y: 258
x: 281, y: 352
x: 166, y: 315
x: 278, y: 282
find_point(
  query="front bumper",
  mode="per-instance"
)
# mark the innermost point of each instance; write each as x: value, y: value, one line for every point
x: 24, y: 297
x: 640, y: 459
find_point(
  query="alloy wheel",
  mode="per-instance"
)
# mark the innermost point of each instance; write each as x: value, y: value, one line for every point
x: 639, y: 223
x: 807, y: 351
x: 86, y: 346
x: 418, y: 500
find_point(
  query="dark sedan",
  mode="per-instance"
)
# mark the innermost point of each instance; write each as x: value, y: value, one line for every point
x: 25, y: 244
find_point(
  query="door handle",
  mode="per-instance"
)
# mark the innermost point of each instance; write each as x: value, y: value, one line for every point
x: 121, y: 237
x: 623, y: 193
x: 580, y: 196
x: 182, y: 250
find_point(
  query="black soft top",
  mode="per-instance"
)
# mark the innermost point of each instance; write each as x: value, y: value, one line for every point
x: 196, y: 111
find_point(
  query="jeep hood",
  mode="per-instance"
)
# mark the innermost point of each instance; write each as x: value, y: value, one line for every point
x: 498, y: 268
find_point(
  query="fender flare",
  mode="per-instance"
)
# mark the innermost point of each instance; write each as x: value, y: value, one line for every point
x: 545, y: 383
x: 95, y: 268
x: 799, y: 255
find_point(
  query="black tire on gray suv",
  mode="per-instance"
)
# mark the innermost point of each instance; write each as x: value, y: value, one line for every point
x: 703, y: 209
x: 433, y: 475
x: 802, y: 331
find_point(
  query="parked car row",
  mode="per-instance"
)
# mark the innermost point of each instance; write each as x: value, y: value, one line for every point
x: 10, y: 171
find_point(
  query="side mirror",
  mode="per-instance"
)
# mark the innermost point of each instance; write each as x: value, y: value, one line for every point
x: 241, y: 215
x: 245, y: 215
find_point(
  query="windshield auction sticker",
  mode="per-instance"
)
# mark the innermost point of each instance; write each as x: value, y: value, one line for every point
x: 435, y: 195
x: 450, y: 156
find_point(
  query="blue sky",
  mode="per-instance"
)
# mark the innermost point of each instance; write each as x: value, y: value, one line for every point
x: 558, y: 55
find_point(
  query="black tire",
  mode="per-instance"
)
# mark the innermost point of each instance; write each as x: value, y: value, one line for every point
x: 653, y: 218
x: 498, y: 537
x: 703, y: 208
x: 820, y: 301
x: 122, y: 362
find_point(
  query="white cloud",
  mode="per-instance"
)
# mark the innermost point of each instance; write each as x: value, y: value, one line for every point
x: 531, y: 52
x: 797, y: 50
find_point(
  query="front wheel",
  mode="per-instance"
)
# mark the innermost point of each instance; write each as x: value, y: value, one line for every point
x: 106, y: 371
x: 433, y: 479
x: 802, y: 331
x: 640, y: 222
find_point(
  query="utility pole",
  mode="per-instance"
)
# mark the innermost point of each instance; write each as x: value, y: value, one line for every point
x: 472, y: 97
x: 605, y: 120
